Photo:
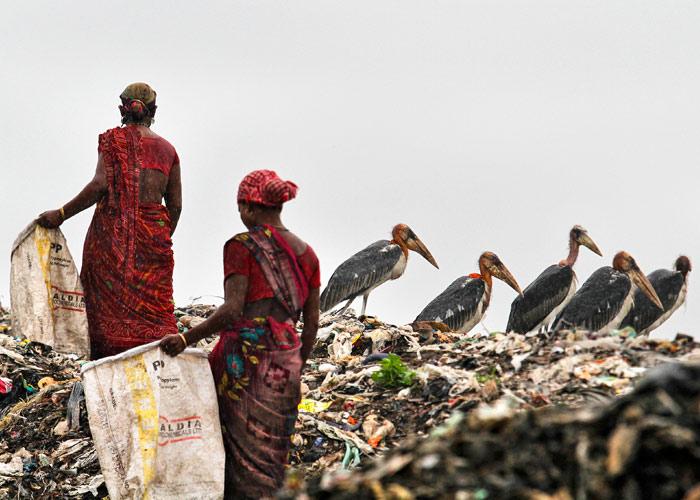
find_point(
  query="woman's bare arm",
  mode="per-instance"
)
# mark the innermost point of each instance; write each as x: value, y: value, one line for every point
x: 90, y: 194
x: 311, y: 314
x: 235, y: 288
x: 173, y: 197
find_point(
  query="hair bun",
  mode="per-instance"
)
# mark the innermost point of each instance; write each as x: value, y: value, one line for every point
x: 277, y: 191
x: 137, y: 109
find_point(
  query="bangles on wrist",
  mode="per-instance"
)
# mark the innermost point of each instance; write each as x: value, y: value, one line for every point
x: 63, y: 213
x: 184, y: 340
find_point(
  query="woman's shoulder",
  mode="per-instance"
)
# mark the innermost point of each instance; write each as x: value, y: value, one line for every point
x: 235, y: 248
x: 106, y: 140
x: 305, y: 251
x: 310, y: 256
x: 108, y: 133
x: 311, y: 267
x: 237, y: 240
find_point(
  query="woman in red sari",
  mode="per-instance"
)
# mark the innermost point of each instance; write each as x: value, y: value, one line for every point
x: 127, y: 257
x: 271, y: 277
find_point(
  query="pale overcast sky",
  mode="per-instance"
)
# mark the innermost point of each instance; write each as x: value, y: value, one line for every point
x: 484, y: 125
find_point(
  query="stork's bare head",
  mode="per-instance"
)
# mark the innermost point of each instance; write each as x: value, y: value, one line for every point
x: 404, y: 236
x: 580, y: 235
x: 491, y: 264
x: 683, y: 265
x: 625, y: 263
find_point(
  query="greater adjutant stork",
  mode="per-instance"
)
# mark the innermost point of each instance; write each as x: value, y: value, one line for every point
x: 671, y: 287
x: 606, y: 297
x: 462, y: 305
x: 543, y: 299
x: 366, y: 270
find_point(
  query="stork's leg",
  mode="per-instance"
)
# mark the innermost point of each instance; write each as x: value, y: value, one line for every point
x: 364, y: 304
x: 345, y: 307
x: 486, y: 330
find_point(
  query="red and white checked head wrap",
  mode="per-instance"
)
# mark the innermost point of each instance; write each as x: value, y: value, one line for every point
x: 265, y: 187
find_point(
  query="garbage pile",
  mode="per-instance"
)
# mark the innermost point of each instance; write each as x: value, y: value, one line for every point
x: 367, y: 388
x: 643, y: 445
x: 192, y: 315
x: 5, y: 321
x: 348, y: 415
x: 45, y: 446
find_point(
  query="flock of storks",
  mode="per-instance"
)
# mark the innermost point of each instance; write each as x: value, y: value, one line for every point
x: 611, y: 298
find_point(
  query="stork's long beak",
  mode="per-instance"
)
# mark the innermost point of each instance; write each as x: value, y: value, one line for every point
x: 503, y: 274
x: 418, y: 246
x: 646, y: 287
x: 588, y: 242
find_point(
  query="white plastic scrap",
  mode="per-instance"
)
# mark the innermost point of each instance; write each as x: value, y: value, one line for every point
x: 91, y: 487
x: 325, y: 332
x: 70, y: 447
x: 461, y: 380
x: 518, y: 359
x: 11, y: 469
x: 501, y: 409
x: 413, y: 342
x: 345, y: 436
x: 341, y: 347
x: 380, y: 337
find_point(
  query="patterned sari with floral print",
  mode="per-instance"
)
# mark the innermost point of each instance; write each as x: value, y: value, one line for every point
x: 257, y: 370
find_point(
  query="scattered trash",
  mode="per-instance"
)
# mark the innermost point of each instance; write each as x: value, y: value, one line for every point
x: 5, y: 385
x: 41, y: 456
x: 311, y: 406
x: 455, y: 376
x: 375, y: 431
x: 645, y: 444
x: 5, y: 321
x: 351, y: 458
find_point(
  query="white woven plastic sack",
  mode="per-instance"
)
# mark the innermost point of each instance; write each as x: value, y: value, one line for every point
x: 48, y: 304
x: 155, y: 424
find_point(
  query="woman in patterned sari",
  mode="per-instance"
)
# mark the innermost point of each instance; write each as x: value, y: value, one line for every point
x: 127, y: 271
x: 271, y: 277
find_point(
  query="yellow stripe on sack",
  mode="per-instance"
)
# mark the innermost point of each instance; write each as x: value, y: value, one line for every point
x: 147, y: 415
x: 43, y: 248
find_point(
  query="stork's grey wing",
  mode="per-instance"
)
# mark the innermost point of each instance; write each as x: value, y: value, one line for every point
x: 597, y: 302
x: 361, y: 272
x: 668, y: 285
x: 540, y: 298
x: 457, y: 304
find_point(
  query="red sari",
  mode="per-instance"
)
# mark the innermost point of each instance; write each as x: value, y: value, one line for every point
x: 127, y: 258
x: 257, y: 364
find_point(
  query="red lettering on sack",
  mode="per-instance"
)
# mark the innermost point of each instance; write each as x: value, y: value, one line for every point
x: 177, y: 430
x: 68, y: 300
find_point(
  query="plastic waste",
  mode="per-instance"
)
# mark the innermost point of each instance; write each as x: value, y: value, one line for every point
x: 311, y: 406
x: 5, y: 385
x: 73, y: 406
